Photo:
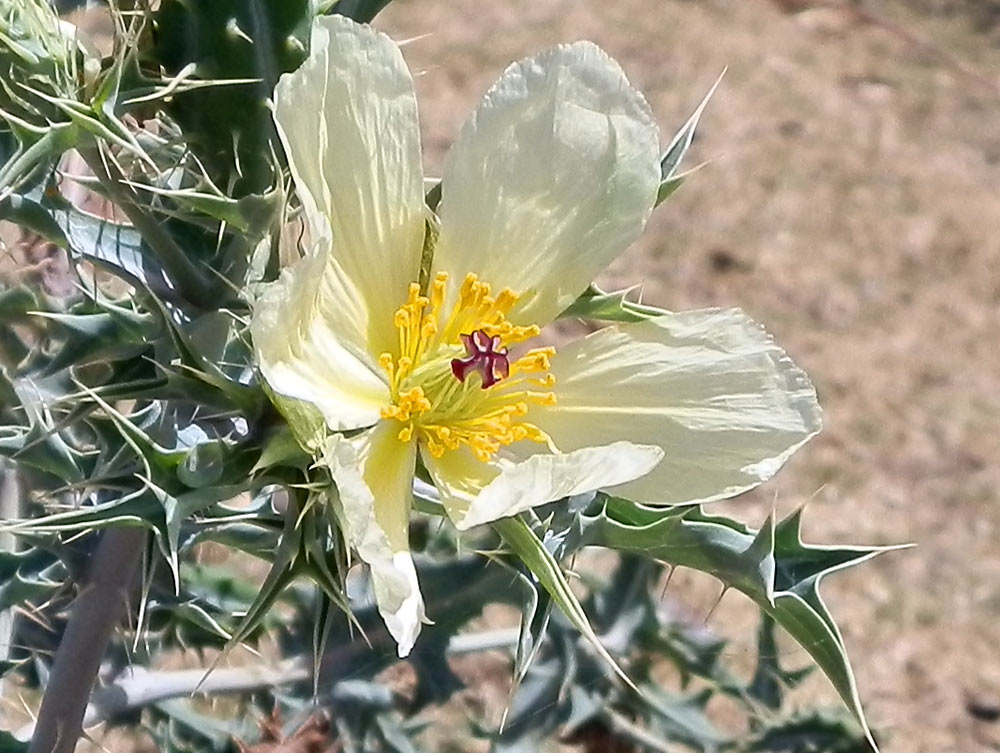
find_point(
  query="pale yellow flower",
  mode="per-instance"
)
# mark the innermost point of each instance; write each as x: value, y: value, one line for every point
x: 553, y: 176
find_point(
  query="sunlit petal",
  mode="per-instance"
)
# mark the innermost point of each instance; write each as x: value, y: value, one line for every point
x: 553, y: 177
x: 305, y: 351
x: 348, y: 120
x: 474, y: 492
x: 710, y: 387
x: 373, y: 472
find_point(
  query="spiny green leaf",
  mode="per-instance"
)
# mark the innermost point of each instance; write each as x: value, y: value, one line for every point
x: 203, y: 464
x: 528, y: 548
x: 178, y: 509
x: 806, y: 733
x: 594, y: 303
x: 108, y: 335
x: 683, y: 718
x: 210, y: 732
x: 29, y: 576
x: 250, y: 214
x: 114, y: 247
x: 679, y: 145
x: 282, y: 573
x: 536, y: 609
x: 772, y: 566
x: 35, y: 157
x: 667, y: 188
x: 38, y: 444
x: 770, y: 679
x: 133, y: 509
x: 28, y: 213
x: 282, y: 448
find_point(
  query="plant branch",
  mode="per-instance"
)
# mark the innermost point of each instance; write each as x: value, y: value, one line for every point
x: 96, y: 612
x: 138, y: 687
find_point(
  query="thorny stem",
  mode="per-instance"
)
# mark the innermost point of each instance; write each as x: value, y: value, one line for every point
x: 96, y: 611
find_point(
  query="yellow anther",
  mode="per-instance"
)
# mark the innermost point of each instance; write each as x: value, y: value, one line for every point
x: 437, y: 290
x: 534, y: 360
x: 470, y: 282
x: 434, y: 448
x: 406, y: 433
x: 506, y: 300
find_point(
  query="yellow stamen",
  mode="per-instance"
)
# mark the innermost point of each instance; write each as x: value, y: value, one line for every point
x: 432, y: 404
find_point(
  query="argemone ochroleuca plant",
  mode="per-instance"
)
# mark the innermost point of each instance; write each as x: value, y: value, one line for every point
x: 554, y: 176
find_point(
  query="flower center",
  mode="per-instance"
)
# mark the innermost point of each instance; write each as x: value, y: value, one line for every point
x: 485, y: 356
x: 453, y: 383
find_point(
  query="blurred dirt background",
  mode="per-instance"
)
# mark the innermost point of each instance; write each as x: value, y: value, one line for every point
x: 851, y: 204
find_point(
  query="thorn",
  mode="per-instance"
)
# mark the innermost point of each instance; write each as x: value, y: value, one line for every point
x: 503, y: 718
x: 819, y: 490
x: 715, y: 606
x: 666, y: 583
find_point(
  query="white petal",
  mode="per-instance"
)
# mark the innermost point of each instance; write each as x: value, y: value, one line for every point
x: 474, y: 492
x: 397, y: 594
x: 459, y: 476
x: 553, y: 177
x: 348, y: 120
x: 373, y: 472
x: 711, y: 388
x: 305, y: 348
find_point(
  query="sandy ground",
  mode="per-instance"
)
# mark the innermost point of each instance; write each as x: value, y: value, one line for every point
x: 851, y: 205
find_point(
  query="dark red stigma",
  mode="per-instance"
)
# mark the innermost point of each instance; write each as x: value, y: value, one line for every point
x: 484, y: 355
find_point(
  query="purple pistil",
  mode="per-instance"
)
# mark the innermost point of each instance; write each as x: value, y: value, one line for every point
x: 484, y: 355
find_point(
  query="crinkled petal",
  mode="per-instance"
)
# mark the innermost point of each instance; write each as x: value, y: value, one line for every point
x: 474, y: 492
x: 710, y: 387
x: 348, y: 120
x: 552, y: 178
x: 298, y: 336
x: 373, y: 472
